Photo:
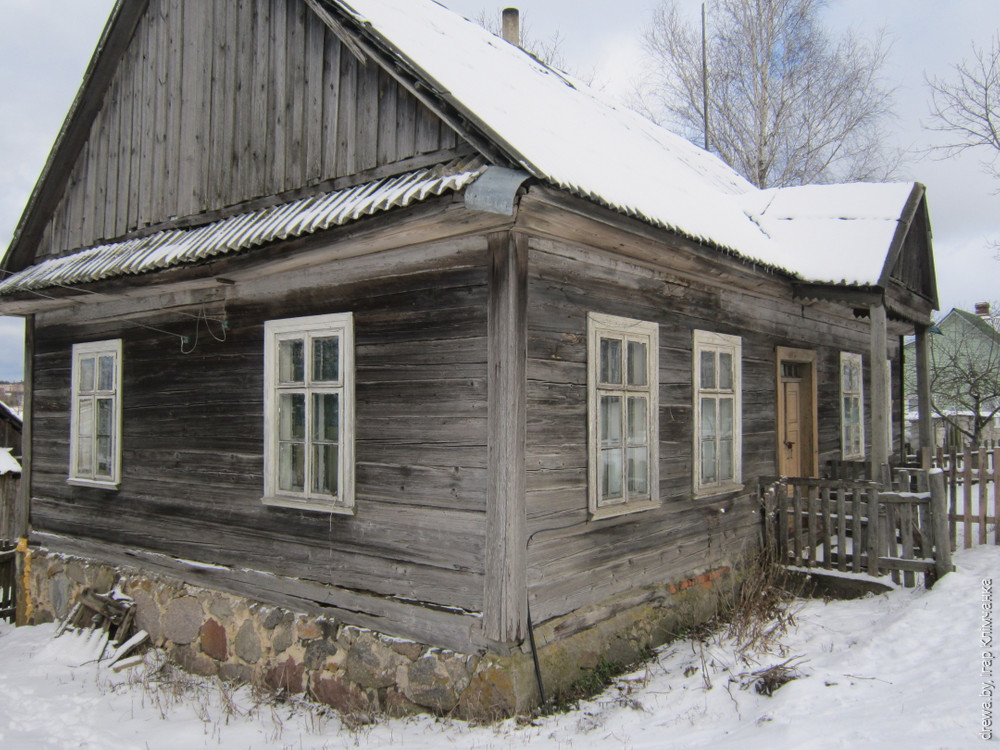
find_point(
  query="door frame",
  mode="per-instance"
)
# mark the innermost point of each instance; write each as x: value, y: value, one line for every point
x: 810, y: 446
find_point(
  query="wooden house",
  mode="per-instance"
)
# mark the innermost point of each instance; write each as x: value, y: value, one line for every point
x: 358, y: 312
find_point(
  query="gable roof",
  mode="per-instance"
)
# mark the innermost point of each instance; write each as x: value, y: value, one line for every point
x: 561, y: 132
x: 978, y: 324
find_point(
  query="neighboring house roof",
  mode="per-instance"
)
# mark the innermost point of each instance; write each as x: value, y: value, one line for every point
x: 296, y: 218
x: 980, y: 324
x: 559, y: 131
x: 8, y: 464
x: 8, y: 413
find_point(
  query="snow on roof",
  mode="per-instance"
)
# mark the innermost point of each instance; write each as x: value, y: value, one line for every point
x: 8, y: 464
x: 10, y: 411
x: 566, y: 134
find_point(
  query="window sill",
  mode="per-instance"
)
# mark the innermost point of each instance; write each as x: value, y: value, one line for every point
x: 108, y: 485
x: 714, y: 490
x: 622, y: 509
x: 313, y: 505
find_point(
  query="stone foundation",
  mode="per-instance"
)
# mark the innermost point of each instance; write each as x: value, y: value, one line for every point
x: 359, y: 671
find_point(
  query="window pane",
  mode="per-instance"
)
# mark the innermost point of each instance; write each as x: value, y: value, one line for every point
x: 637, y: 420
x: 326, y: 419
x: 611, y: 474
x: 85, y: 436
x: 638, y: 471
x: 708, y: 423
x: 708, y: 369
x: 636, y: 363
x: 103, y: 457
x: 708, y: 473
x: 291, y: 467
x: 84, y: 457
x: 105, y: 415
x: 325, y: 469
x: 326, y: 359
x: 106, y: 374
x: 725, y: 371
x: 292, y: 416
x: 611, y: 421
x: 86, y: 384
x: 725, y: 418
x: 725, y: 460
x: 85, y: 420
x: 291, y: 365
x: 611, y: 361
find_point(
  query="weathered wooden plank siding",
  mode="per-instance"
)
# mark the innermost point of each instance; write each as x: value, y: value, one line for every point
x: 574, y: 562
x: 192, y: 466
x: 216, y: 103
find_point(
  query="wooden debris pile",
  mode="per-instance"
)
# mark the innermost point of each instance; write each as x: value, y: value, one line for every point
x: 107, y: 619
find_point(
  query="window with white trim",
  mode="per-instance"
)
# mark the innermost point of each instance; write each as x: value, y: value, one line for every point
x: 309, y: 413
x: 852, y: 407
x: 96, y: 414
x: 718, y: 412
x: 622, y: 398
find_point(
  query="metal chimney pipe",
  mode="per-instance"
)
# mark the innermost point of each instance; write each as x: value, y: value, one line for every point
x: 512, y: 26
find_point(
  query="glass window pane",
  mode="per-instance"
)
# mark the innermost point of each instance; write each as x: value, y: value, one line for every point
x: 85, y: 418
x: 611, y: 421
x: 103, y: 457
x: 325, y: 469
x: 725, y: 460
x: 708, y: 423
x: 637, y: 420
x: 708, y: 369
x: 725, y: 418
x: 291, y: 467
x: 326, y: 359
x: 292, y: 416
x: 105, y: 415
x: 725, y: 371
x: 86, y: 383
x: 638, y: 471
x: 291, y: 364
x: 636, y: 363
x: 611, y: 361
x: 708, y: 471
x: 106, y: 374
x: 326, y: 417
x: 84, y: 457
x: 611, y: 474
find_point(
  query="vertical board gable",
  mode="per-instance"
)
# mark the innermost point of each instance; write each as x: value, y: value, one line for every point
x: 219, y: 102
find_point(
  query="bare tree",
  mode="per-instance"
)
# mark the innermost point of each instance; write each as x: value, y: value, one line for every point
x: 786, y: 104
x: 966, y: 106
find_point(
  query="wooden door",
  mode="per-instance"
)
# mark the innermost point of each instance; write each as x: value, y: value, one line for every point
x: 796, y: 428
x: 790, y: 439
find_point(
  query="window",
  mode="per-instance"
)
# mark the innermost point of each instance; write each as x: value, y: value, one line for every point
x: 309, y: 413
x: 622, y: 357
x: 717, y: 412
x: 852, y: 407
x: 95, y: 414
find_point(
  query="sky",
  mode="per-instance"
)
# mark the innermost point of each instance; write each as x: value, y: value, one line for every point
x: 45, y: 47
x: 910, y: 668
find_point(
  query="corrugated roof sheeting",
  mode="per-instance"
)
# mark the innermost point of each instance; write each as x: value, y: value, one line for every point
x: 295, y: 219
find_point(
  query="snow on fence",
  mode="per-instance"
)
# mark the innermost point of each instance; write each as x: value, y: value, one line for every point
x: 860, y: 527
x: 973, y: 494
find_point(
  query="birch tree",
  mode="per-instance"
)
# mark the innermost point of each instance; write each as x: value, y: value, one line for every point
x: 787, y: 104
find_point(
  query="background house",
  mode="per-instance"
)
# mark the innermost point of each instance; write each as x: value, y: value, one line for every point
x: 360, y: 314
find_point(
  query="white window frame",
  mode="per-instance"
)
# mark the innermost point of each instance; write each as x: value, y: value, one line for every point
x: 307, y: 328
x: 847, y: 430
x: 86, y: 476
x: 719, y: 343
x: 600, y: 326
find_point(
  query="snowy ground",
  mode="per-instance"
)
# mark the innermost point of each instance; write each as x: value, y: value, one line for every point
x: 904, y: 669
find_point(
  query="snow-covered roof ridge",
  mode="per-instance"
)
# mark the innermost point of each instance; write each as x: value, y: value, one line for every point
x: 563, y: 132
x: 10, y: 411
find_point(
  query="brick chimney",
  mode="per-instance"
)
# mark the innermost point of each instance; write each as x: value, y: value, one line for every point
x: 983, y: 309
x: 512, y: 26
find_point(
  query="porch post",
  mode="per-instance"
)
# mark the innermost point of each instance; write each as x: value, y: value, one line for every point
x: 881, y: 414
x: 924, y: 408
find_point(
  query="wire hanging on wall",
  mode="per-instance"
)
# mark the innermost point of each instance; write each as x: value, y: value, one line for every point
x: 203, y: 316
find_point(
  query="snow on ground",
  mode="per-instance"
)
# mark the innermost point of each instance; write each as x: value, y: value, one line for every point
x: 904, y: 669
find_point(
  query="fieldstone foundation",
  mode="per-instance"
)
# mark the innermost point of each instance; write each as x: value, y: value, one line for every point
x: 358, y: 671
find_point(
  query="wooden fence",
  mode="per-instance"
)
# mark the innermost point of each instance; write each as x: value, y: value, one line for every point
x: 859, y: 527
x: 973, y: 494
